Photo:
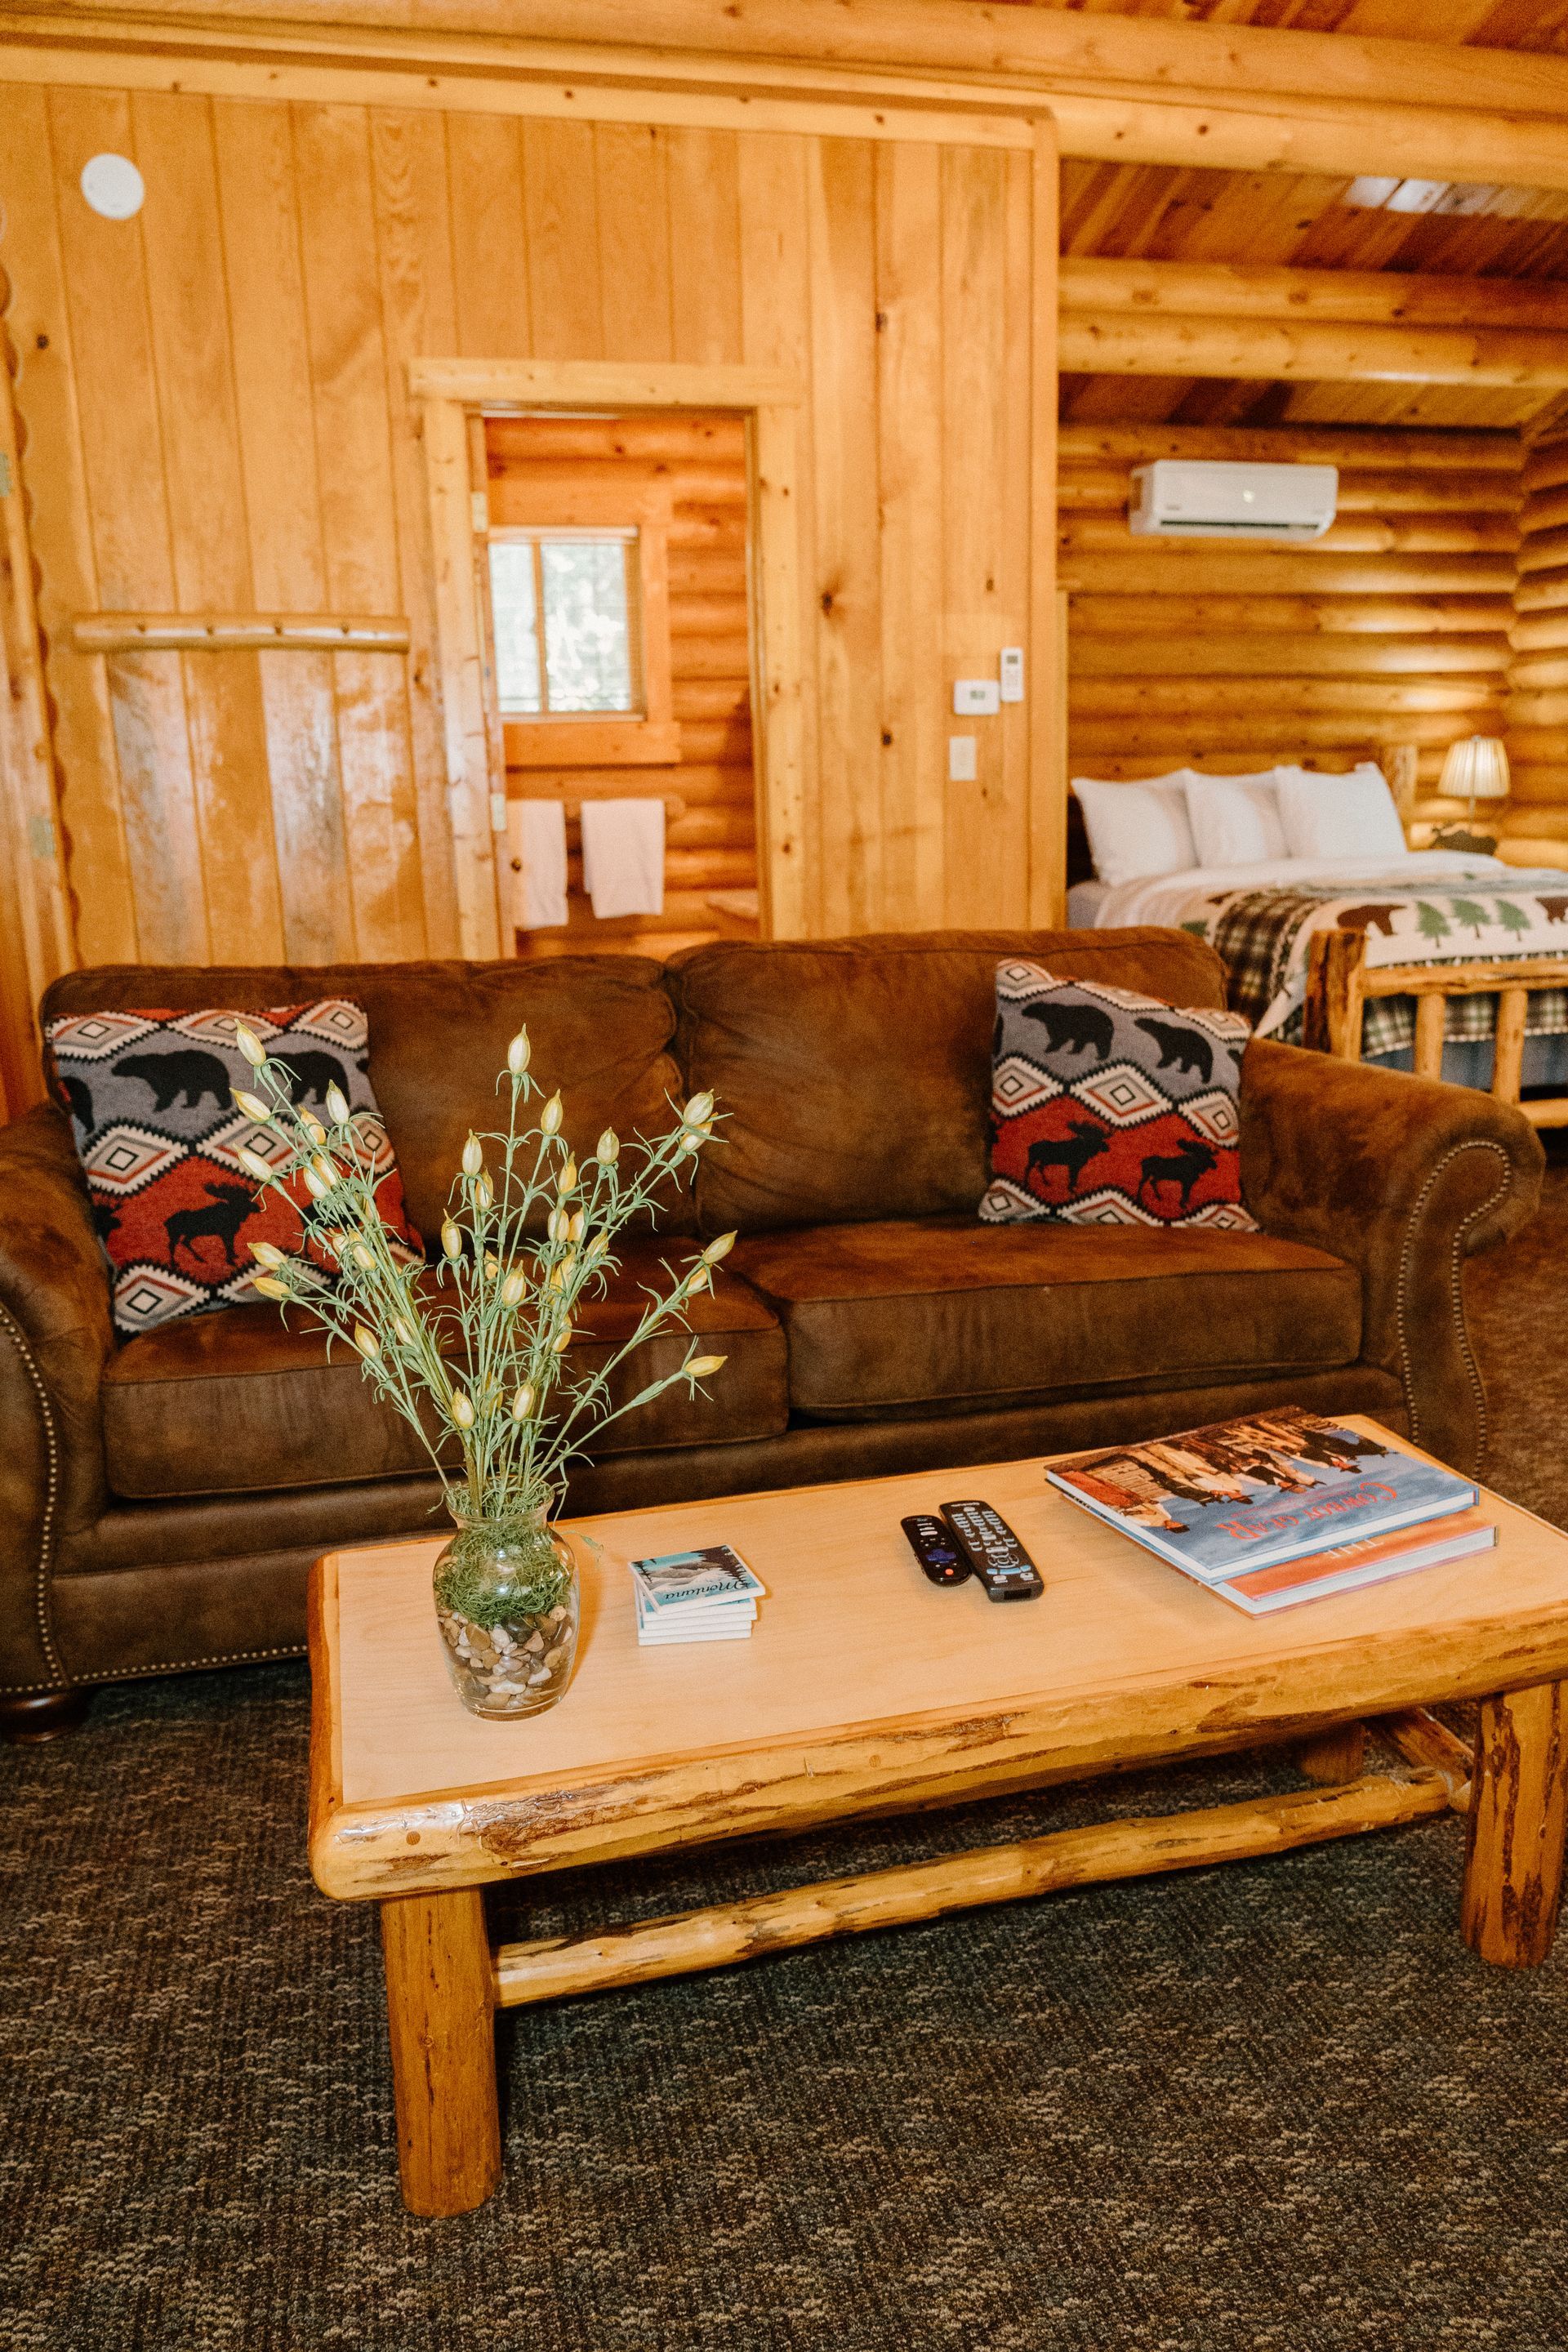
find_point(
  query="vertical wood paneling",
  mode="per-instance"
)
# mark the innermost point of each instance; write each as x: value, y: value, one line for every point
x: 1012, y: 519
x: 146, y: 694
x: 489, y: 264
x: 190, y: 324
x: 847, y: 578
x: 266, y: 289
x: 48, y: 425
x: 562, y: 212
x: 705, y: 245
x: 976, y: 500
x: 632, y: 203
x: 418, y: 299
x: 910, y: 469
x: 774, y: 180
x: 1046, y: 677
x: 128, y: 507
x: 35, y: 934
x: 218, y: 421
x: 382, y: 906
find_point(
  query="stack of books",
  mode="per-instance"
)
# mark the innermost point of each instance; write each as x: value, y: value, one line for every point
x: 695, y: 1596
x: 1280, y: 1507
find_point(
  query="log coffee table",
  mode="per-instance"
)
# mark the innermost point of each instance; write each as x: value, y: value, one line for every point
x: 866, y: 1690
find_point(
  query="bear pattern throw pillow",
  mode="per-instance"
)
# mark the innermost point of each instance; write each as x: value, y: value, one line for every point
x: 150, y: 1098
x: 1111, y: 1108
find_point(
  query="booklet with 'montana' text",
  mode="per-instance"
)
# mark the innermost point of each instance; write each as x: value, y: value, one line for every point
x: 1245, y: 1495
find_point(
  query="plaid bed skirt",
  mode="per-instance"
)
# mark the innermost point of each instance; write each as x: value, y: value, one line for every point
x: 1255, y: 934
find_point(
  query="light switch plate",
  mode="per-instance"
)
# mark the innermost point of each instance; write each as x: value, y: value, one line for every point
x: 976, y: 697
x: 1012, y: 687
x: 961, y: 767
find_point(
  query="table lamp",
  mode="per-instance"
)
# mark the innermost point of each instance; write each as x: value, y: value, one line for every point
x: 1475, y: 769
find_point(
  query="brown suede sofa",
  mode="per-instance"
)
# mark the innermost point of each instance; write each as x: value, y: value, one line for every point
x: 162, y: 1499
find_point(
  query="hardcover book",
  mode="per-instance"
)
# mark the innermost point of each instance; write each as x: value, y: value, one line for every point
x: 1349, y: 1566
x: 1275, y: 1487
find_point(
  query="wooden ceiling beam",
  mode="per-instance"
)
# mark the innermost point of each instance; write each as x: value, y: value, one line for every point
x: 1126, y: 89
x: 1347, y: 446
x: 1383, y: 298
x: 1274, y: 351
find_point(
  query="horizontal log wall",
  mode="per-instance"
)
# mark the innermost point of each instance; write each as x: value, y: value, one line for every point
x: 1393, y: 629
x: 700, y: 462
x: 1536, y: 821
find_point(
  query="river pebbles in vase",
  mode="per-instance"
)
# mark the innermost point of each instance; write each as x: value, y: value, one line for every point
x: 513, y: 1669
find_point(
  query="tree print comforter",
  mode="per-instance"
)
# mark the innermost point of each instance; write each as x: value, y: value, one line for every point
x: 1264, y: 934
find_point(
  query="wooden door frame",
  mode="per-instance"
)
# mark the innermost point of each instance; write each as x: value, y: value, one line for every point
x: 450, y: 395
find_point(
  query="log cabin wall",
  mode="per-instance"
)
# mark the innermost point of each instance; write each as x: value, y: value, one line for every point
x: 217, y: 422
x: 699, y: 462
x: 1393, y: 629
x: 1537, y: 728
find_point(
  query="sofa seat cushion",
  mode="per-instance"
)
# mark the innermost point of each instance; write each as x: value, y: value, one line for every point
x: 240, y: 1401
x: 889, y: 1317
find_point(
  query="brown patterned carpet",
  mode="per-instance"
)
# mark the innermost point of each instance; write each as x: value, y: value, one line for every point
x: 1275, y: 2107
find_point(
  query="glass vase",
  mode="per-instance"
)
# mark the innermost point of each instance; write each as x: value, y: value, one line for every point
x: 507, y: 1604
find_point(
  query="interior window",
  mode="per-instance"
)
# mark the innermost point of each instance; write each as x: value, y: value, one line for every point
x: 568, y: 627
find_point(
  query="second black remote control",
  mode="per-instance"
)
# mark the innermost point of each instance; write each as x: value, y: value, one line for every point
x: 994, y: 1552
x: 931, y: 1543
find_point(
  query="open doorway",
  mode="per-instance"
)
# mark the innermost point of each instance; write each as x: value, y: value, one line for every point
x: 617, y: 577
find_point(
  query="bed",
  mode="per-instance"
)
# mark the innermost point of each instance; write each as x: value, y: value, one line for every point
x: 1401, y: 957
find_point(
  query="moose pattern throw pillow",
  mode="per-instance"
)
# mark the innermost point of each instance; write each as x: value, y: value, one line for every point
x: 150, y: 1098
x: 1111, y: 1108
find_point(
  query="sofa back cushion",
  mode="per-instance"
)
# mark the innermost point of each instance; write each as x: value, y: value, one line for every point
x: 601, y: 1027
x: 855, y: 1075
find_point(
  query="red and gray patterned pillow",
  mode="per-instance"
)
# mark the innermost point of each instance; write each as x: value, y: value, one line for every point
x: 150, y: 1098
x: 1110, y: 1108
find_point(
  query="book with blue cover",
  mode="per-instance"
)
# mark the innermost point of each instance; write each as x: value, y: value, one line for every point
x: 709, y: 1595
x: 1274, y: 1486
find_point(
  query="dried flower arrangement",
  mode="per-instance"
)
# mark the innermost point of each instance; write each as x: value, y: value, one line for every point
x: 475, y: 1358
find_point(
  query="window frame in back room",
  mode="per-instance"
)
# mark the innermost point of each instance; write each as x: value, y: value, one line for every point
x: 649, y: 737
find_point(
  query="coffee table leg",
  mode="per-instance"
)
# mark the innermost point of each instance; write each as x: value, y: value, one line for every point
x: 1519, y: 1803
x: 440, y: 2009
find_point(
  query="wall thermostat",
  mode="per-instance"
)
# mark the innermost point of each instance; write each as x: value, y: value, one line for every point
x: 976, y: 697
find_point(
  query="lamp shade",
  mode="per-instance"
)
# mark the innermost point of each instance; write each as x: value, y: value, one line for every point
x: 1476, y: 769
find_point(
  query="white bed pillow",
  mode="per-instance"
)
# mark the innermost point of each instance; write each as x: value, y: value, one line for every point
x: 1340, y: 816
x: 1235, y: 820
x: 1137, y: 831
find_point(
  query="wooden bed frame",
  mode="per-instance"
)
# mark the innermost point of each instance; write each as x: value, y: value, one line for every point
x: 1339, y: 984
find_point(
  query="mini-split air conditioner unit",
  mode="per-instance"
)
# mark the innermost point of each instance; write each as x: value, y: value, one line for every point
x: 1194, y: 499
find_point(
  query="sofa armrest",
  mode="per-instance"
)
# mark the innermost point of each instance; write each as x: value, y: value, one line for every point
x: 1404, y: 1179
x: 55, y: 1337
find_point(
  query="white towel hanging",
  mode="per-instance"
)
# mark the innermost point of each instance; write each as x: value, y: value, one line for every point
x: 623, y: 856
x: 536, y: 839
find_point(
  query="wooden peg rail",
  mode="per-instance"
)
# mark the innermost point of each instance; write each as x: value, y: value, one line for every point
x: 222, y: 632
x: 674, y: 806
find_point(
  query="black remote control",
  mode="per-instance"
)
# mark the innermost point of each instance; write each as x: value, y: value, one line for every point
x: 994, y: 1552
x: 931, y: 1543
